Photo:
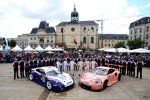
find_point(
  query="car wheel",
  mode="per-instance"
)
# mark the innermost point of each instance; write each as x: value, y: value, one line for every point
x: 105, y: 85
x: 31, y: 77
x: 119, y: 77
x: 49, y: 85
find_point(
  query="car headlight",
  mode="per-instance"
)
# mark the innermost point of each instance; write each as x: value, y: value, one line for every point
x: 57, y: 81
x: 97, y: 80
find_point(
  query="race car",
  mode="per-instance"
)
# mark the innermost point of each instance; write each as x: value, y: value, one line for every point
x: 51, y: 78
x: 100, y: 78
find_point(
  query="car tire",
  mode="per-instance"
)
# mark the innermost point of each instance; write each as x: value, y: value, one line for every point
x: 105, y: 85
x: 119, y: 77
x: 31, y: 77
x: 49, y: 85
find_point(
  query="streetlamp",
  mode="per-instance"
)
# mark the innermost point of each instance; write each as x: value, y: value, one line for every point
x: 62, y: 30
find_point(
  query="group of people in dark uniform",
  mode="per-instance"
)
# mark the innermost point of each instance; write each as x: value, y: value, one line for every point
x: 129, y: 68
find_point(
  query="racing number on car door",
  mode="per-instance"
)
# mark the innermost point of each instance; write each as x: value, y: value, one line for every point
x: 43, y: 78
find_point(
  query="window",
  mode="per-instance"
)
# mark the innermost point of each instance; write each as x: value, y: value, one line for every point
x: 131, y: 32
x: 84, y: 39
x: 72, y: 29
x: 146, y: 44
x: 108, y: 44
x: 84, y: 29
x: 92, y: 28
x: 47, y: 41
x: 135, y: 31
x: 105, y: 44
x: 62, y: 30
x: 146, y: 36
x: 92, y: 39
x: 30, y: 38
x: 134, y: 36
x: 140, y: 30
x: 34, y: 38
x: 147, y: 29
x: 52, y: 41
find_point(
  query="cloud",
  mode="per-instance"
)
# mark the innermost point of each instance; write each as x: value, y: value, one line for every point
x: 20, y: 16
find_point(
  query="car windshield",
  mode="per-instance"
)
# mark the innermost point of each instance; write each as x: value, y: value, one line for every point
x: 100, y: 71
x: 52, y: 73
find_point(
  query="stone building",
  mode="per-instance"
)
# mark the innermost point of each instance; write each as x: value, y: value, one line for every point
x: 85, y: 33
x: 109, y: 40
x: 141, y: 29
x: 42, y: 35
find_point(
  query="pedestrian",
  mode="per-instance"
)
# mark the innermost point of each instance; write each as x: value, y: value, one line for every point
x: 129, y: 68
x: 72, y: 64
x: 15, y: 68
x: 27, y: 69
x: 80, y: 63
x: 124, y: 67
x: 30, y: 65
x: 140, y: 65
x: 133, y: 65
x: 22, y: 67
x: 65, y: 63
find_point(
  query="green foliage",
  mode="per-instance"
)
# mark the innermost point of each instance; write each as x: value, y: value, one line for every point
x: 12, y: 43
x: 119, y: 45
x: 136, y: 43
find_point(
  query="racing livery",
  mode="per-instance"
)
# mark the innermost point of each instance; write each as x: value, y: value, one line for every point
x: 51, y: 78
x: 100, y: 78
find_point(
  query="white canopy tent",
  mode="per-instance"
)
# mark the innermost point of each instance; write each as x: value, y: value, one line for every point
x: 140, y: 50
x: 16, y: 49
x: 28, y: 48
x: 48, y: 48
x: 57, y: 49
x: 123, y: 50
x: 102, y: 49
x: 110, y: 50
x: 39, y: 48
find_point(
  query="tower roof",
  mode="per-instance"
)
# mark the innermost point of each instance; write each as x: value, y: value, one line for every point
x: 74, y: 13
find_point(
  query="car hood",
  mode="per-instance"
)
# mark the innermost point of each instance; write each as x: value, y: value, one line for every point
x: 92, y: 77
x: 63, y: 78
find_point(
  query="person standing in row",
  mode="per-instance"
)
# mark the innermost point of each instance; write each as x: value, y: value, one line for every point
x: 15, y: 67
x: 27, y: 69
x: 139, y: 69
x: 72, y: 64
x: 22, y: 66
x: 80, y: 63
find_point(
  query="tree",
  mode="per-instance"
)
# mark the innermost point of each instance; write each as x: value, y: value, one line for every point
x: 12, y: 43
x: 119, y: 45
x: 136, y: 43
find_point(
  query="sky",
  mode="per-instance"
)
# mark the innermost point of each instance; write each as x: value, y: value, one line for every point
x: 20, y: 16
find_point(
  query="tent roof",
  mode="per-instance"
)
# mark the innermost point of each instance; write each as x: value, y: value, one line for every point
x: 16, y: 48
x: 28, y: 48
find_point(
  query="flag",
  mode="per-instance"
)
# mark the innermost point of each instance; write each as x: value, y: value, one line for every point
x: 75, y: 40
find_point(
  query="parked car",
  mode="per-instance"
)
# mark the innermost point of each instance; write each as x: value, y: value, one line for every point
x: 51, y: 78
x: 100, y: 78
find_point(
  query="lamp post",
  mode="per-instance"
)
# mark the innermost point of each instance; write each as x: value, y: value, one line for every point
x: 62, y: 30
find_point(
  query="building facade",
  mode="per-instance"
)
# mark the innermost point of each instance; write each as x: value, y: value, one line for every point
x: 85, y: 33
x: 109, y: 40
x: 42, y: 35
x: 141, y: 29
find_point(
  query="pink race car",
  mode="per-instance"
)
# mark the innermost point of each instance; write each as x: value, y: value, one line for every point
x: 100, y: 78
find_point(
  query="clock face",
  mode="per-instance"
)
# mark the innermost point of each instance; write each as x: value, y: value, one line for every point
x: 72, y: 29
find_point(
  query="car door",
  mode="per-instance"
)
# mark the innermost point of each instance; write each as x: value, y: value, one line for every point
x: 40, y: 76
x: 111, y: 76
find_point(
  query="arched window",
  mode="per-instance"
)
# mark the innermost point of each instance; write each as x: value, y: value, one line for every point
x: 41, y: 41
x: 92, y: 39
x: 84, y: 39
x: 92, y: 28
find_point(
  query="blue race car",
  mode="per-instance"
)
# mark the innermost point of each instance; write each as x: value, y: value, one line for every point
x: 51, y: 78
